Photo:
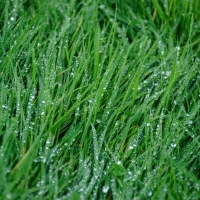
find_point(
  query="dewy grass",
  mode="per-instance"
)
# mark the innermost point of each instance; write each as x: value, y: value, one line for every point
x: 99, y: 99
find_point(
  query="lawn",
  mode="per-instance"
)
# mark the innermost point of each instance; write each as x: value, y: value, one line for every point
x: 99, y: 99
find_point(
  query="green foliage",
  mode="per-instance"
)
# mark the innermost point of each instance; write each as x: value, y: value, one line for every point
x: 99, y: 99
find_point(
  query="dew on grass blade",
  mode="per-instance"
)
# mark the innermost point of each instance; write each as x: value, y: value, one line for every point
x: 98, y: 121
x: 173, y: 145
x: 105, y: 188
x: 42, y: 113
x: 9, y: 196
x: 196, y: 186
x: 148, y: 124
x: 168, y: 73
x: 149, y: 193
x: 119, y: 162
x: 4, y: 106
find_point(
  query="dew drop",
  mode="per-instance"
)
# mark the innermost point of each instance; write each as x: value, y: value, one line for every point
x: 105, y: 188
x: 173, y: 145
x: 98, y: 121
x: 8, y: 196
x: 119, y: 162
x: 148, y: 124
x: 149, y: 193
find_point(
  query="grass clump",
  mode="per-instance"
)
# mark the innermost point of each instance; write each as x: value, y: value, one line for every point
x: 99, y: 99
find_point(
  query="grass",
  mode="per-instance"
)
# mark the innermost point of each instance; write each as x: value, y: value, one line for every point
x: 99, y: 99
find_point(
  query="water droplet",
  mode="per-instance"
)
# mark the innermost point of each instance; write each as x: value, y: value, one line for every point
x: 102, y: 6
x: 12, y: 18
x: 119, y: 162
x: 8, y: 196
x: 149, y: 193
x: 105, y: 188
x: 148, y: 124
x: 98, y: 121
x: 4, y: 106
x: 173, y: 145
x: 48, y: 141
x: 168, y: 73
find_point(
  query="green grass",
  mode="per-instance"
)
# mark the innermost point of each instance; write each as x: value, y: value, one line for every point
x: 99, y: 99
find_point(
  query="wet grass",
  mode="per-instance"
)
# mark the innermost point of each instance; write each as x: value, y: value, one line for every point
x: 99, y: 100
